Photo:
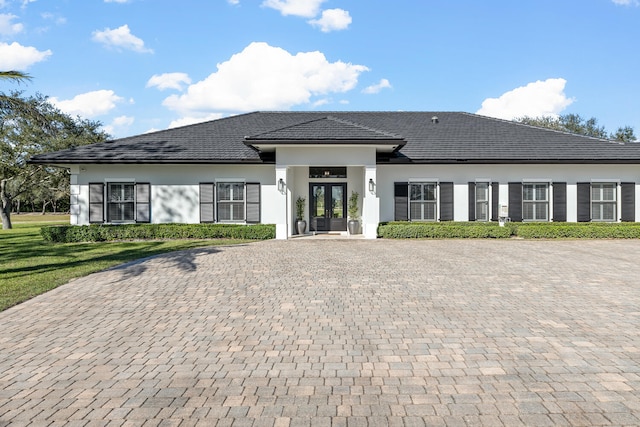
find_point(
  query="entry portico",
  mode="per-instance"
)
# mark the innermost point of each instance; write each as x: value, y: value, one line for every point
x: 323, y: 161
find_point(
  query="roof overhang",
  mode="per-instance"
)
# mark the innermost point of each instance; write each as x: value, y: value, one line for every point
x: 381, y: 146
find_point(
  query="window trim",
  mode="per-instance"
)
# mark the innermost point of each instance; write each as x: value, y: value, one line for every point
x: 486, y: 202
x: 535, y: 202
x: 219, y: 201
x: 602, y: 203
x: 434, y: 202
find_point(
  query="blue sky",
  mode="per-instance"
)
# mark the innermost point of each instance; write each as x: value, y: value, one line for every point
x: 142, y: 65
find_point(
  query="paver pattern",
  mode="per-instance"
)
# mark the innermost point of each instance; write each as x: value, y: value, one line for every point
x: 335, y: 333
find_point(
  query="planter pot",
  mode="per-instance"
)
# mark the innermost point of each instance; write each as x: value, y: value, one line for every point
x: 301, y: 226
x: 354, y: 226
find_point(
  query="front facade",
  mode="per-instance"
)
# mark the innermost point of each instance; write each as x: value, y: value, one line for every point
x: 404, y: 166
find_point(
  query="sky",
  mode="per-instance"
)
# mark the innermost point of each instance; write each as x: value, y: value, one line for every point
x: 143, y: 65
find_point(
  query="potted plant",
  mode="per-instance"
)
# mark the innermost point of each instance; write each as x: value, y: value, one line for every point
x: 354, y: 223
x: 301, y: 224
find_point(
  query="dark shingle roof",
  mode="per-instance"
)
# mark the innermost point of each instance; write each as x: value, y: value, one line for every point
x: 456, y: 137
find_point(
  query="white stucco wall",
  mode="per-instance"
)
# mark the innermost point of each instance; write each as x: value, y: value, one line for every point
x: 461, y: 175
x: 174, y: 188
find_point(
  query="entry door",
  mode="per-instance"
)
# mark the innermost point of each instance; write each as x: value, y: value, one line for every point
x: 328, y: 207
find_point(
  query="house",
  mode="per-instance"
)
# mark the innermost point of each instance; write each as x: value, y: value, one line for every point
x: 415, y: 166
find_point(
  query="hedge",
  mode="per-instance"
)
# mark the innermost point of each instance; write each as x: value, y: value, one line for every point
x: 537, y: 230
x: 104, y: 233
x: 589, y: 230
x: 442, y: 230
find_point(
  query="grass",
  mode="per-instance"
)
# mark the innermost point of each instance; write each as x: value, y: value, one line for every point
x: 30, y: 267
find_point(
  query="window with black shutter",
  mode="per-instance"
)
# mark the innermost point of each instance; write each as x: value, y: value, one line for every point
x: 515, y: 201
x: 628, y: 195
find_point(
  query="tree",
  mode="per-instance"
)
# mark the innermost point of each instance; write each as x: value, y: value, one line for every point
x: 624, y: 134
x: 30, y: 126
x: 574, y: 123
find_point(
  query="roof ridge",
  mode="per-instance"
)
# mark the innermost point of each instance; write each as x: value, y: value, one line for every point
x: 358, y: 125
x: 546, y: 129
x: 327, y: 117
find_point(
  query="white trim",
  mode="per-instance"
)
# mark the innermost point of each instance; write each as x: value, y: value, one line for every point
x: 424, y: 180
x: 119, y: 180
x: 242, y: 180
x: 483, y: 180
x: 605, y: 181
x: 537, y: 180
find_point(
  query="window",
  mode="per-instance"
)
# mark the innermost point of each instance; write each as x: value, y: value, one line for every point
x: 603, y: 202
x: 535, y: 202
x: 422, y: 201
x: 482, y: 201
x: 230, y: 200
x: 121, y: 202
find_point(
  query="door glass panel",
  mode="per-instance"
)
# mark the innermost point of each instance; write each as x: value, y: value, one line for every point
x: 318, y: 200
x: 337, y: 199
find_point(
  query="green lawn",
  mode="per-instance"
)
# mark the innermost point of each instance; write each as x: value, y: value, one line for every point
x: 29, y: 266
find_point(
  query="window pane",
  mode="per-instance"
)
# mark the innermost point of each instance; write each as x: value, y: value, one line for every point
x: 237, y: 209
x: 430, y: 211
x: 527, y: 211
x: 224, y: 191
x: 430, y: 192
x: 482, y: 211
x: 596, y: 192
x: 416, y: 191
x: 608, y: 192
x: 541, y: 192
x: 541, y: 211
x: 238, y: 191
x: 609, y: 212
x: 416, y: 211
x: 482, y: 192
x: 527, y: 192
x: 224, y: 212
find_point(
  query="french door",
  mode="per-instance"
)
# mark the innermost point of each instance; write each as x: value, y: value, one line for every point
x: 328, y: 207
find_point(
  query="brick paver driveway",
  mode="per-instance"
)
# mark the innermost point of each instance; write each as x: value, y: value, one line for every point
x: 336, y: 332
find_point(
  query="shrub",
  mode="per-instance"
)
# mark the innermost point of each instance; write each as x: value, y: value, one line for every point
x: 102, y: 233
x: 566, y: 230
x: 537, y: 230
x: 442, y: 230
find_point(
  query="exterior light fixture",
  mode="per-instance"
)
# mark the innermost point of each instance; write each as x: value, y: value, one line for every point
x: 372, y: 185
x: 281, y: 185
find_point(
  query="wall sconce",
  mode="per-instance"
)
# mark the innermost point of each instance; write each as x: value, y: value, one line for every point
x: 372, y: 185
x: 281, y: 185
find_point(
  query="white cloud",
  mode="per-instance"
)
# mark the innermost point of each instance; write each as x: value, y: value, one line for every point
x: 262, y: 77
x: 116, y: 1
x: 303, y: 8
x: 8, y: 28
x: 119, y: 124
x: 233, y: 2
x: 90, y: 104
x: 540, y: 98
x: 627, y: 2
x: 383, y: 84
x: 332, y: 20
x: 14, y: 56
x: 185, y: 121
x: 169, y: 81
x: 57, y: 19
x: 120, y: 38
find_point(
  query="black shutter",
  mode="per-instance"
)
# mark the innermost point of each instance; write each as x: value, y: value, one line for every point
x: 96, y: 202
x: 515, y: 201
x: 446, y: 201
x: 143, y: 202
x: 584, y: 202
x: 472, y: 201
x: 401, y: 201
x: 207, y: 202
x: 495, y: 201
x: 253, y: 202
x: 560, y: 201
x: 628, y: 190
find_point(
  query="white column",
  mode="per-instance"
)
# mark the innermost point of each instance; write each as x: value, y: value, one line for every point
x: 370, y: 204
x: 281, y: 202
